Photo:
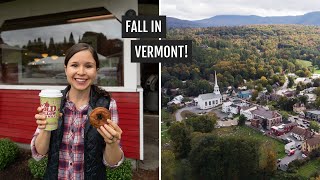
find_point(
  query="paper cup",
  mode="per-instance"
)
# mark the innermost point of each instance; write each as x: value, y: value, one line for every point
x: 50, y: 102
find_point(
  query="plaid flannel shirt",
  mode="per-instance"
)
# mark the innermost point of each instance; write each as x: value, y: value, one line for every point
x: 71, y: 153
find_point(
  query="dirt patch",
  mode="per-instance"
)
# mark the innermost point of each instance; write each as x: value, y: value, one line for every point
x: 20, y: 170
x: 141, y: 174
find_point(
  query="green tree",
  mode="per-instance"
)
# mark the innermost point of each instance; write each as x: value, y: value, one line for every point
x: 180, y: 135
x: 314, y: 126
x: 254, y: 95
x: 213, y: 157
x: 168, y: 168
x: 290, y: 82
x: 285, y: 116
x: 269, y: 88
x: 267, y: 161
x: 242, y: 120
x: 204, y: 123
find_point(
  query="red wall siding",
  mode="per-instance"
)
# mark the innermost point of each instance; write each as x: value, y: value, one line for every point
x: 18, y: 107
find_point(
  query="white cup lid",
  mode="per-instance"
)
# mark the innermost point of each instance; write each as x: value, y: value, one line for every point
x: 50, y: 93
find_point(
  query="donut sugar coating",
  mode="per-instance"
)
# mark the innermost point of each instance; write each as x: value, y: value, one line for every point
x: 99, y: 117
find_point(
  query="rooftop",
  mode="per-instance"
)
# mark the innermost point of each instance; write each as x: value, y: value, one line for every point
x: 313, y: 141
x: 265, y: 113
x: 209, y: 96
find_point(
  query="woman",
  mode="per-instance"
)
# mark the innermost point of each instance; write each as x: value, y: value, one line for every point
x: 77, y: 150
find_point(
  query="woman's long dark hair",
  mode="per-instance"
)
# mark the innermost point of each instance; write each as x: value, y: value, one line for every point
x: 82, y: 47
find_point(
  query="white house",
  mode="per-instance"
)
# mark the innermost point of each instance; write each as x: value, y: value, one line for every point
x: 176, y: 100
x: 210, y: 100
x: 246, y: 111
x: 226, y: 107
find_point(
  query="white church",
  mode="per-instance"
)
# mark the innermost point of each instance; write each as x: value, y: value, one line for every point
x: 210, y: 100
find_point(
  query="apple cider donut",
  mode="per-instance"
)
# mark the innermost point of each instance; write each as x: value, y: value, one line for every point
x: 99, y: 117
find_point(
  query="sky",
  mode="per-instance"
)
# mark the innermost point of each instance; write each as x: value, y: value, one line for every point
x: 202, y: 9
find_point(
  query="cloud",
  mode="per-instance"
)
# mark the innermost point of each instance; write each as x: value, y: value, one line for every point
x: 201, y: 9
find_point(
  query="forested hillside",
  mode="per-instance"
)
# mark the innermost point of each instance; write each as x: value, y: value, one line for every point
x: 245, y: 55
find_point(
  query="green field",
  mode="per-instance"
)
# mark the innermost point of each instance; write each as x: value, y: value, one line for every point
x: 244, y: 131
x: 317, y: 71
x: 304, y: 63
x: 309, y: 169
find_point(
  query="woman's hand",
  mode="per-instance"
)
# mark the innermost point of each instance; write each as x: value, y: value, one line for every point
x: 111, y: 132
x: 40, y: 118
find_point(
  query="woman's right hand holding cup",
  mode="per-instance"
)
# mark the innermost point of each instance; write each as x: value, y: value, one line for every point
x: 40, y: 118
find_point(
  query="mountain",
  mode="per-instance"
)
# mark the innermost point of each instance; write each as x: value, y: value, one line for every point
x: 312, y: 18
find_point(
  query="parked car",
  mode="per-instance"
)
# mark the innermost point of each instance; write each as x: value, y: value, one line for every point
x: 304, y: 156
x: 291, y: 152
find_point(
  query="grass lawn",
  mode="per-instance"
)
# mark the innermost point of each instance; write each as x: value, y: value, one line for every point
x: 164, y: 133
x: 304, y: 63
x: 317, y: 71
x: 245, y: 131
x: 308, y: 169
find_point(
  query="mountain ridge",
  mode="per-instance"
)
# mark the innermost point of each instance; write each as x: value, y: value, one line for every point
x: 311, y: 18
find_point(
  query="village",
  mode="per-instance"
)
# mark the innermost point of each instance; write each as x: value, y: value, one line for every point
x: 291, y: 128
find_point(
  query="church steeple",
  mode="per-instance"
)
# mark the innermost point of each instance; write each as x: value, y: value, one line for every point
x: 216, y: 87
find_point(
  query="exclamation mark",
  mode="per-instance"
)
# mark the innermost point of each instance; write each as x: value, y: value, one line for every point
x: 186, y: 51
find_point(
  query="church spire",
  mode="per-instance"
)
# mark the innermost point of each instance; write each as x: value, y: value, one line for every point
x: 216, y: 87
x: 215, y: 79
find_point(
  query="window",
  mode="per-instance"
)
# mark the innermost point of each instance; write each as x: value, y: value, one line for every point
x: 205, y: 103
x: 217, y: 102
x: 32, y: 50
x: 209, y: 103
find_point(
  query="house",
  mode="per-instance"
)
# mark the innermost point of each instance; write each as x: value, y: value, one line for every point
x: 176, y: 101
x: 292, y: 75
x: 267, y: 118
x: 245, y: 94
x: 302, y: 80
x: 246, y: 111
x: 310, y: 144
x: 289, y: 93
x: 283, y: 128
x: 299, y: 107
x: 226, y: 106
x: 277, y: 130
x: 301, y: 133
x: 315, y: 76
x: 314, y: 115
x: 210, y: 100
x: 255, y: 123
x: 311, y: 97
x: 233, y: 107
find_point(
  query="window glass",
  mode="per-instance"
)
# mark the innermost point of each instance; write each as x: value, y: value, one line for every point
x: 35, y: 56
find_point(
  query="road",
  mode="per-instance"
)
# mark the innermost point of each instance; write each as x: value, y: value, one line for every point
x: 178, y: 112
x: 286, y: 160
x: 284, y: 87
x: 196, y: 110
